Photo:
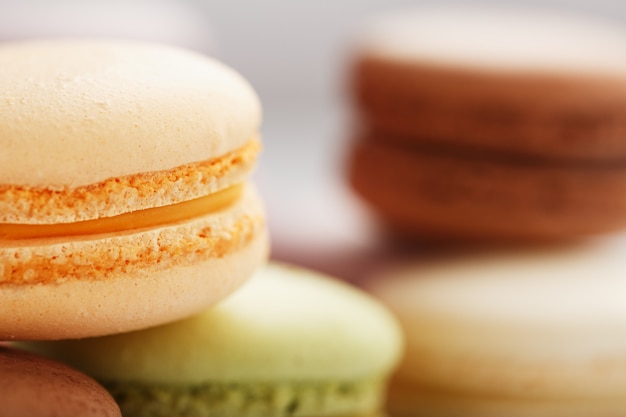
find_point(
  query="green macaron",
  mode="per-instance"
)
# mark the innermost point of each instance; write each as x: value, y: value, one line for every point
x: 290, y: 343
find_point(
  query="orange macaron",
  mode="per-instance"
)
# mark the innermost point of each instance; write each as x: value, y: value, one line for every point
x: 124, y: 200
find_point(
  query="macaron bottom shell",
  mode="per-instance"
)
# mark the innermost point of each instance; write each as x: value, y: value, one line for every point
x: 250, y: 399
x: 82, y: 308
x: 430, y: 192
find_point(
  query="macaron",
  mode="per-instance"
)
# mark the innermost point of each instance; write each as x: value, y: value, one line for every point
x: 289, y: 343
x: 537, y: 332
x: 124, y: 193
x: 524, y: 81
x: 39, y: 387
x: 469, y: 196
x: 491, y: 123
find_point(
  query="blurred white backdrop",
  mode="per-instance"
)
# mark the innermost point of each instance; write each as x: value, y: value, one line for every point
x: 293, y: 50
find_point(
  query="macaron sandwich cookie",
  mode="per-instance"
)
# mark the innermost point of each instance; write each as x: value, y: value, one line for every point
x: 289, y: 343
x: 38, y: 387
x: 537, y: 333
x: 124, y: 200
x: 491, y: 123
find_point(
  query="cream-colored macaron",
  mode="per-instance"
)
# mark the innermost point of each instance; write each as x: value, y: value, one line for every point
x: 124, y: 200
x: 289, y: 343
x: 538, y: 333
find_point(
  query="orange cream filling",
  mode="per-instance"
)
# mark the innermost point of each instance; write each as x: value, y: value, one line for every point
x: 140, y: 219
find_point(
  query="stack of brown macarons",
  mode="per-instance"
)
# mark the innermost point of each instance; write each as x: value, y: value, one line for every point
x: 491, y: 124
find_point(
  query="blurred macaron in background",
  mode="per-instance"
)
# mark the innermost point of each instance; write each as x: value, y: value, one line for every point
x: 527, y: 332
x: 500, y: 124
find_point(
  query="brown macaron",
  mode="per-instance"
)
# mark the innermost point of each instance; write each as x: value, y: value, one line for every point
x: 491, y: 124
x: 434, y: 194
x: 518, y: 81
x: 32, y: 386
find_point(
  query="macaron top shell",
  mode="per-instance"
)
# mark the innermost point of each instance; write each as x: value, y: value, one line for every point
x: 501, y: 39
x: 38, y: 387
x: 285, y: 324
x: 74, y: 113
x: 567, y: 286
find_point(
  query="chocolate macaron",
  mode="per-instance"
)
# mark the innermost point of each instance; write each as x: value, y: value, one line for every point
x: 34, y: 386
x: 492, y: 123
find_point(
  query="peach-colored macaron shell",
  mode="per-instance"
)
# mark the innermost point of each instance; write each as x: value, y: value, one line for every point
x: 75, y: 113
x: 28, y: 205
x: 148, y: 297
